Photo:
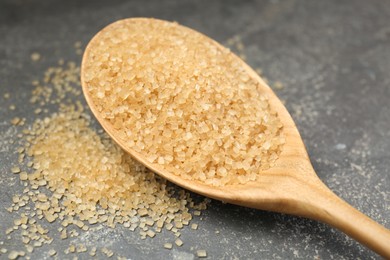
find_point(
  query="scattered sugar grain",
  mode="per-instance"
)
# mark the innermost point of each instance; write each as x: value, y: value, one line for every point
x: 278, y: 85
x: 64, y: 234
x: 92, y: 252
x: 179, y: 242
x: 149, y: 222
x: 15, y: 169
x: 29, y: 248
x: 107, y: 252
x: 35, y: 56
x: 81, y: 248
x: 201, y: 253
x: 178, y: 224
x: 13, y: 255
x: 38, y: 111
x: 72, y: 248
x: 52, y: 252
x: 77, y: 44
x: 168, y: 245
x: 26, y: 240
x: 150, y: 233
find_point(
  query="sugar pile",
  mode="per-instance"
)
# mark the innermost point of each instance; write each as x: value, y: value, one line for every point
x: 181, y: 101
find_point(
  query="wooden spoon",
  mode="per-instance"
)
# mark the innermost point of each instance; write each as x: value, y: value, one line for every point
x: 291, y: 186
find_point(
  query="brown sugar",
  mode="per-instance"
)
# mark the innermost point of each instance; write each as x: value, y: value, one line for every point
x: 101, y: 184
x: 182, y: 102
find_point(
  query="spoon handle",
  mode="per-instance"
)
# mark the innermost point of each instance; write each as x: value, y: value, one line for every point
x: 329, y: 208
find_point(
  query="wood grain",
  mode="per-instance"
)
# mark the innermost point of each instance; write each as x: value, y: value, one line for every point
x: 291, y: 186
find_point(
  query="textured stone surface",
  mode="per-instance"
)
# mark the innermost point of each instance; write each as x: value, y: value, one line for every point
x: 333, y: 58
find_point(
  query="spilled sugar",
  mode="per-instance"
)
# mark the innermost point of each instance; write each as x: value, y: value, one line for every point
x: 101, y: 183
x: 182, y: 102
x: 77, y: 178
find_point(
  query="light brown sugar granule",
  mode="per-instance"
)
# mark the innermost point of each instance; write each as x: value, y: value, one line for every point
x: 93, y: 251
x: 107, y: 252
x: 182, y: 102
x: 15, y: 169
x: 52, y: 252
x: 201, y: 253
x: 179, y: 242
x: 16, y: 254
x: 16, y: 120
x: 35, y: 56
x: 168, y: 245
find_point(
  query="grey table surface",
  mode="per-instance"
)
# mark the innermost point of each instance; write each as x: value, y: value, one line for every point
x: 333, y: 59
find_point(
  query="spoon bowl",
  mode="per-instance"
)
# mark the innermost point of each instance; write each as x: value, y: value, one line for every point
x: 291, y: 186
